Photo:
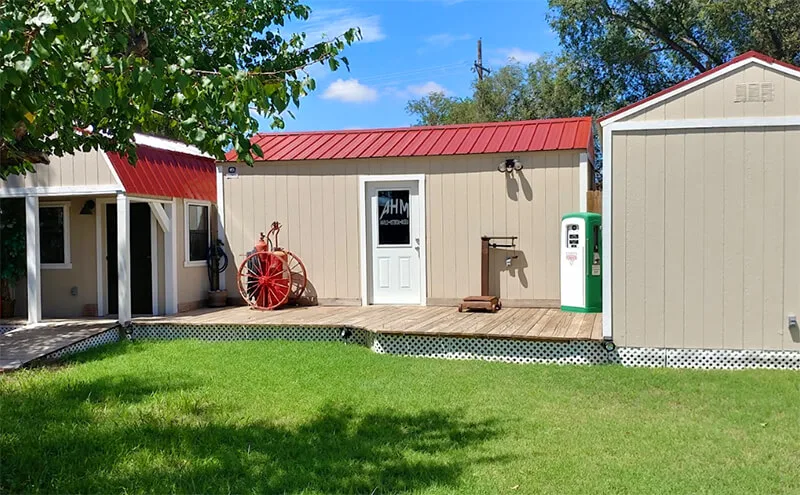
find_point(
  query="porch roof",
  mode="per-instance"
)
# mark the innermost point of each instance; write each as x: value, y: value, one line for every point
x: 167, y: 173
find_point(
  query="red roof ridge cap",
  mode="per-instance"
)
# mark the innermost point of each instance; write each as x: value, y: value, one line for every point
x: 427, y: 127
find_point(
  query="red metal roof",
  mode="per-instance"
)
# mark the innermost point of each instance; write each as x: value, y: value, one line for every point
x: 495, y: 137
x: 167, y: 173
x: 744, y: 56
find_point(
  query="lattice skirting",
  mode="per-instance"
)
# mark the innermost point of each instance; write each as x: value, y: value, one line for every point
x: 501, y: 350
x: 7, y: 328
x: 103, y: 338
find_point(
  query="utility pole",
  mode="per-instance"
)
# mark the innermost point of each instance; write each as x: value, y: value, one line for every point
x: 479, y: 68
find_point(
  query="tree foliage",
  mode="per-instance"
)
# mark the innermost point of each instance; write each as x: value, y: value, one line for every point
x: 615, y: 52
x: 626, y: 50
x: 540, y: 90
x: 188, y: 69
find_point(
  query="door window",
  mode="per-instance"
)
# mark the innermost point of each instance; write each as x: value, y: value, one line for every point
x: 394, y: 218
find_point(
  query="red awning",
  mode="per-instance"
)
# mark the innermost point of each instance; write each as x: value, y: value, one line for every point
x: 166, y: 173
x: 495, y: 137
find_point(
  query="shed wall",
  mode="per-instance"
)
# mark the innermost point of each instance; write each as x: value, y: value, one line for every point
x: 81, y: 169
x: 706, y: 234
x: 317, y: 203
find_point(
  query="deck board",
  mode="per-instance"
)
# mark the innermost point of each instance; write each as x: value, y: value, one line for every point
x: 516, y: 323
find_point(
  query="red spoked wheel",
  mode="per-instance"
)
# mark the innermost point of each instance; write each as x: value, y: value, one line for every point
x: 298, y: 274
x: 264, y: 280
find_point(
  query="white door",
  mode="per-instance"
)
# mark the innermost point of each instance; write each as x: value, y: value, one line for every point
x: 393, y: 218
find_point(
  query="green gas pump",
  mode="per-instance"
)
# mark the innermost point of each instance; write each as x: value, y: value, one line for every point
x: 581, y: 263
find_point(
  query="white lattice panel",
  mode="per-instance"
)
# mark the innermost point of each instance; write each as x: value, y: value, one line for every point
x: 107, y: 337
x: 7, y: 328
x: 732, y: 359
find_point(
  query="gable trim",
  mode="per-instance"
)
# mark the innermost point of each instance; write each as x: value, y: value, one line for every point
x: 689, y: 84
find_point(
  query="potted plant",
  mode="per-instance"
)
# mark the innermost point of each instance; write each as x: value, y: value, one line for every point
x: 217, y: 263
x: 12, y: 252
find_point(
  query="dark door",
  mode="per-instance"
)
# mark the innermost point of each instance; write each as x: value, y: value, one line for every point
x: 141, y: 276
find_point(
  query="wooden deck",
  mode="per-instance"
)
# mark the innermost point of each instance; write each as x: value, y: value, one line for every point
x: 20, y: 347
x: 514, y: 323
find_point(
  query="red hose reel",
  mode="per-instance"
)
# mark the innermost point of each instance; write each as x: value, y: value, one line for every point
x: 271, y: 276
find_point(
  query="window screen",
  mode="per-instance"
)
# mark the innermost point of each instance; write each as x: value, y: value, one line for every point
x: 394, y: 225
x: 51, y: 234
x: 198, y: 232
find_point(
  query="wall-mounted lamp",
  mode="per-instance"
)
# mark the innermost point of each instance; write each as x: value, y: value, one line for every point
x: 509, y: 165
x: 88, y: 207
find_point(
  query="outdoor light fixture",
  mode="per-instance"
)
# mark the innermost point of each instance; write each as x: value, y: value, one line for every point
x: 510, y: 165
x: 88, y: 207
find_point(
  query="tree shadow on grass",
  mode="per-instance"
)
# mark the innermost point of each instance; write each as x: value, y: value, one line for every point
x: 112, y: 435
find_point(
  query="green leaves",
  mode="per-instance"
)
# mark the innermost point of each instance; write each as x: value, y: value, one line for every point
x: 186, y: 69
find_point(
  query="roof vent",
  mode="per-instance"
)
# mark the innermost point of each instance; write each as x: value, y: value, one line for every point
x: 754, y: 92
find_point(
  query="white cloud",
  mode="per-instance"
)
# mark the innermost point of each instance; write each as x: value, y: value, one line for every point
x: 513, y: 55
x: 443, y: 40
x: 350, y: 91
x: 426, y: 88
x: 329, y: 23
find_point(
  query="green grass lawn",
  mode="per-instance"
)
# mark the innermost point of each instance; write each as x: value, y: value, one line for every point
x: 280, y: 417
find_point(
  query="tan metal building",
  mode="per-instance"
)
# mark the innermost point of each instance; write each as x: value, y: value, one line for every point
x: 104, y: 237
x: 395, y: 216
x: 701, y: 214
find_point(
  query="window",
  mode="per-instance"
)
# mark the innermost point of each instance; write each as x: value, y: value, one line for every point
x: 394, y: 226
x: 54, y: 249
x: 198, y: 233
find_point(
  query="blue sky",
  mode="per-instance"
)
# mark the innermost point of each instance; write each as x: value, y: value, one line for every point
x: 411, y: 47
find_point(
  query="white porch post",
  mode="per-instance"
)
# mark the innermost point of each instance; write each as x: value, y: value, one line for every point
x: 171, y: 259
x: 221, y: 221
x: 33, y: 259
x: 123, y: 258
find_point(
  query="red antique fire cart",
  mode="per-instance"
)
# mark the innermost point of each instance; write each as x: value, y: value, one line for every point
x: 271, y: 276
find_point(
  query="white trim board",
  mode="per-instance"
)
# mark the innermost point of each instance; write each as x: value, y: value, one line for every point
x: 701, y: 80
x: 731, y: 123
x: 583, y: 180
x: 154, y: 260
x: 363, y: 180
x: 44, y: 191
x: 221, y: 221
x: 168, y: 145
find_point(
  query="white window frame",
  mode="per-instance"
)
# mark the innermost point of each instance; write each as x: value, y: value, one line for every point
x: 186, y: 204
x: 67, y: 264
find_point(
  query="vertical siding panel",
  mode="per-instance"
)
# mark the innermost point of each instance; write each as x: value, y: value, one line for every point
x: 713, y: 100
x: 294, y: 239
x: 635, y: 260
x: 436, y: 233
x: 474, y: 226
x: 732, y: 176
x: 694, y: 243
x: 522, y: 265
x: 752, y: 73
x: 339, y: 241
x: 458, y: 216
x: 654, y: 239
x: 552, y: 227
x: 713, y: 209
x: 305, y: 203
x: 326, y: 211
x: 779, y: 106
x: 281, y: 204
x: 694, y: 102
x: 498, y: 276
x: 513, y: 201
x: 674, y: 240
x: 538, y: 255
x: 791, y: 281
x: 567, y: 191
x: 675, y: 109
x: 352, y: 232
x: 731, y: 108
x: 774, y: 237
x: 101, y: 173
x: 248, y: 221
x: 618, y: 238
x: 753, y: 242
x: 79, y: 168
x: 449, y: 242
